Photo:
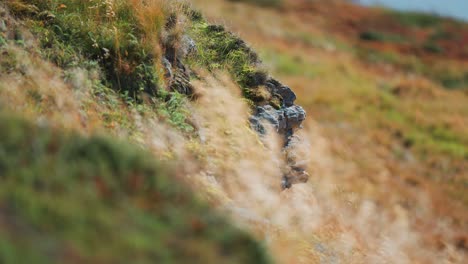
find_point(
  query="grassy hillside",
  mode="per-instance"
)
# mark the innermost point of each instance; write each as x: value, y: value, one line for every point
x: 387, y: 95
x: 172, y: 85
x: 66, y: 198
x: 70, y: 198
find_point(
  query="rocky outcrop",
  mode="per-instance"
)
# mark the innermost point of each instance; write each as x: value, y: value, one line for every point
x: 274, y: 102
x: 178, y: 76
x: 285, y: 121
x: 176, y: 73
x: 287, y: 95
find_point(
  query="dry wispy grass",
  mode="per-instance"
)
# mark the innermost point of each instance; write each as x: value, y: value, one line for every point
x: 369, y: 196
x: 358, y: 206
x: 152, y: 16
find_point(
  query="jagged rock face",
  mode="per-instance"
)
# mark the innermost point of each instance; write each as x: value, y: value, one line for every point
x: 177, y: 74
x: 285, y: 121
x: 180, y: 79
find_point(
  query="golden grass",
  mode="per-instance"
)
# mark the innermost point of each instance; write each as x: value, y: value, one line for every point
x: 362, y: 176
x: 151, y: 16
x: 362, y: 205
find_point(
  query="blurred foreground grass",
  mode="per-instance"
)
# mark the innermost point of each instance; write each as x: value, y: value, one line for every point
x: 66, y: 198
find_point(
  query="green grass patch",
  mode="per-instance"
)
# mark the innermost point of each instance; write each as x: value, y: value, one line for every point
x: 289, y: 65
x: 96, y: 30
x: 426, y: 139
x: 66, y: 198
x: 174, y: 110
x: 220, y: 49
x: 82, y: 34
x: 326, y: 42
x: 455, y: 78
x: 381, y: 109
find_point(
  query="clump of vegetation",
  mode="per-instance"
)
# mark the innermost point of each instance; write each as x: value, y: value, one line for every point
x: 453, y: 79
x: 109, y: 32
x: 121, y: 40
x: 220, y: 49
x: 65, y: 198
x: 175, y: 112
x: 371, y: 35
x: 266, y: 3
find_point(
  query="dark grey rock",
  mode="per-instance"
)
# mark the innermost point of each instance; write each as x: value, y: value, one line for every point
x: 177, y: 74
x: 294, y: 116
x: 254, y: 79
x: 287, y: 95
x: 273, y: 84
x: 264, y: 114
x: 181, y: 83
x: 268, y: 113
x: 283, y: 120
x: 178, y: 78
x: 256, y: 125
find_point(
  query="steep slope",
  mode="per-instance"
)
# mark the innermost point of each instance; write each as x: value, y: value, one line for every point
x: 387, y: 180
x: 69, y: 199
x: 388, y: 153
x: 59, y: 72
